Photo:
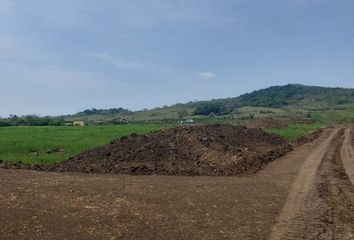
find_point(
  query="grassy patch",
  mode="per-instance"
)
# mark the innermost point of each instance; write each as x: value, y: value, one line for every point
x: 54, y: 144
x: 296, y: 130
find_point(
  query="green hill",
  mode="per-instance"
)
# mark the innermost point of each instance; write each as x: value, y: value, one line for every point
x: 319, y: 103
x: 300, y: 96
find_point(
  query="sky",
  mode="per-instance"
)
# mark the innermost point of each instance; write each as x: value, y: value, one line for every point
x: 61, y: 57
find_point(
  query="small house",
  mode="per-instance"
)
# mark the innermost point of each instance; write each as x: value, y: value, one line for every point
x: 122, y: 119
x: 79, y: 123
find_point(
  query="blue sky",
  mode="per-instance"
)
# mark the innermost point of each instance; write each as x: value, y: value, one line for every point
x: 59, y: 57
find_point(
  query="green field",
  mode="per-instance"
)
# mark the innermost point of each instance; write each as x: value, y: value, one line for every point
x: 296, y: 130
x: 54, y: 144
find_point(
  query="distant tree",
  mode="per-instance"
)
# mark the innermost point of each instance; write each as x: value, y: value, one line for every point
x: 208, y: 108
x: 4, y: 123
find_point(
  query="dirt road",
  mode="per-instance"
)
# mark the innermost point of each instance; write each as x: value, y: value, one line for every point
x: 320, y: 204
x: 308, y: 194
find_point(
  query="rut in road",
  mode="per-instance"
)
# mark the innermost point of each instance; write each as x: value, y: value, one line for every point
x: 321, y: 202
x: 347, y: 154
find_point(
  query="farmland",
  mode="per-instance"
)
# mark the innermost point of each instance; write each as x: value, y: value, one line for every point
x: 54, y: 144
x: 99, y: 206
x: 46, y: 205
x: 153, y: 120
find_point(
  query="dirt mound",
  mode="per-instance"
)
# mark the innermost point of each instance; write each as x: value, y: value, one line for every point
x: 192, y: 150
x: 266, y: 123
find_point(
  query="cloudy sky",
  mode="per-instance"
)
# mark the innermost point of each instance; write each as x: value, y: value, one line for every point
x: 59, y: 57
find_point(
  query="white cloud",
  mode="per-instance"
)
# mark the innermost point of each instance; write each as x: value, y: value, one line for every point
x: 206, y: 75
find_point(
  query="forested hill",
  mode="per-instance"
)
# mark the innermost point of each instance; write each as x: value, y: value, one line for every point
x: 288, y: 97
x: 307, y: 97
x: 292, y: 99
x: 319, y: 103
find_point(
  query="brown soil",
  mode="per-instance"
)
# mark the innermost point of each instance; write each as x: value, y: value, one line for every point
x: 210, y: 150
x: 44, y: 205
x: 306, y: 194
x: 321, y: 202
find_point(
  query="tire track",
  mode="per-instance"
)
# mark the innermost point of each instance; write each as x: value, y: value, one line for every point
x: 334, y: 194
x: 347, y: 154
x: 320, y: 204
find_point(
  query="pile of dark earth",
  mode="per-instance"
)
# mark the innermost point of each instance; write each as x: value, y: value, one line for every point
x: 209, y: 150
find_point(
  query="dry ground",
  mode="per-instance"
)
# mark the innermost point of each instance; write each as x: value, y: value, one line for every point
x: 308, y: 194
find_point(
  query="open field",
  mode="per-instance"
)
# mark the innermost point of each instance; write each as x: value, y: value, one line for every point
x: 54, y: 144
x: 307, y: 194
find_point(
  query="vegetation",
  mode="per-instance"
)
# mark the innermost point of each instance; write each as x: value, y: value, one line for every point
x: 329, y: 105
x: 307, y: 97
x: 110, y: 111
x: 212, y: 108
x: 54, y: 144
x: 296, y: 130
x: 31, y: 120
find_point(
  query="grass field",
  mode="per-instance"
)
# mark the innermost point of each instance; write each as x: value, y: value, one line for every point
x: 296, y: 130
x: 54, y: 144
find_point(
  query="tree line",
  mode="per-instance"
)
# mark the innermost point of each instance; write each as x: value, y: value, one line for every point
x: 31, y: 120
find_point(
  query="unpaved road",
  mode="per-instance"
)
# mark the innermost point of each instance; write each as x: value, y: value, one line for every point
x: 308, y: 194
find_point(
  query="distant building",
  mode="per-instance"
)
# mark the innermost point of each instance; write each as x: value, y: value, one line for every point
x: 79, y: 123
x: 122, y: 119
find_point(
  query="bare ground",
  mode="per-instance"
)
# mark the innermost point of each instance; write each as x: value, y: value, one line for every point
x: 42, y: 205
x: 320, y: 204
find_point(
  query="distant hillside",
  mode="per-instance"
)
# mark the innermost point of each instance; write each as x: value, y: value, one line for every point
x: 321, y: 104
x: 306, y: 97
x: 277, y: 101
x: 110, y: 111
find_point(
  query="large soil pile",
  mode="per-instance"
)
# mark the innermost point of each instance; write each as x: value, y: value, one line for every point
x: 192, y: 150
